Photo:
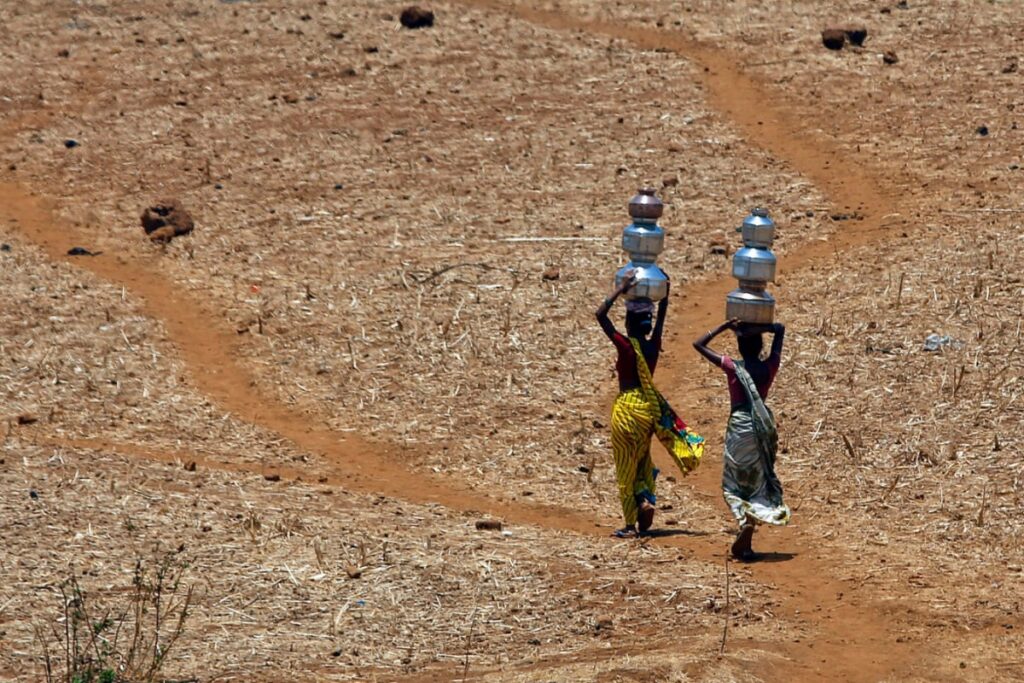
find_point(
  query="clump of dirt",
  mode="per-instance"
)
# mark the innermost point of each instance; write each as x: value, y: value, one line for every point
x: 415, y: 16
x: 856, y: 35
x: 833, y: 38
x: 166, y: 219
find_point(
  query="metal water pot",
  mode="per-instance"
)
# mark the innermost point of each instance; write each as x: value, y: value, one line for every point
x: 750, y: 306
x: 645, y: 205
x: 758, y: 229
x: 754, y: 265
x: 643, y: 241
x: 651, y: 281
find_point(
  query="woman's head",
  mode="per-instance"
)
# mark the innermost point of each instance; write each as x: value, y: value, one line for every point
x: 750, y: 344
x: 639, y: 317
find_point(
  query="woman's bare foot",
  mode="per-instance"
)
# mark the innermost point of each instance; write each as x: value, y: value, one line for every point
x: 645, y: 516
x: 741, y: 547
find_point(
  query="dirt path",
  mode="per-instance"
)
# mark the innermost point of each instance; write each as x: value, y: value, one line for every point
x: 853, y: 637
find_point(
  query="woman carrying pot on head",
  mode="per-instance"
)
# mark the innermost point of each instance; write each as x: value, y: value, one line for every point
x: 640, y: 411
x: 749, y: 484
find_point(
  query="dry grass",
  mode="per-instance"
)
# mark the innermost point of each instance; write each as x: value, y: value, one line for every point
x: 397, y: 305
x: 320, y: 583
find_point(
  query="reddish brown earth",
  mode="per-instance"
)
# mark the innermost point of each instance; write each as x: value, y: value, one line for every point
x: 828, y: 623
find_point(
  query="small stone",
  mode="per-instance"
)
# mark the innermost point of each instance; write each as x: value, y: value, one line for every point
x: 981, y: 130
x: 27, y: 419
x: 1010, y: 66
x: 70, y: 144
x: 80, y: 251
x: 339, y: 186
x: 337, y: 35
x: 488, y: 525
x: 670, y: 181
x: 551, y: 274
x: 190, y: 466
x: 353, y: 571
x: 889, y: 57
x: 833, y: 38
x: 33, y: 494
x: 5, y: 247
x: 416, y: 17
x: 272, y: 477
x: 65, y: 53
x: 582, y: 468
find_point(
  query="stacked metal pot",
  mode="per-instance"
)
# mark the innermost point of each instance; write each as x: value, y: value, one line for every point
x: 643, y: 239
x: 754, y: 267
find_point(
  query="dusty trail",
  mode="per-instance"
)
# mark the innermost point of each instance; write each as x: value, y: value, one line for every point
x: 853, y: 638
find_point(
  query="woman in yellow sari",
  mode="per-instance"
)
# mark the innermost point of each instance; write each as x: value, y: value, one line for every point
x: 640, y: 411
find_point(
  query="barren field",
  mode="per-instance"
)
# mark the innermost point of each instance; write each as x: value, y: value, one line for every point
x: 381, y: 332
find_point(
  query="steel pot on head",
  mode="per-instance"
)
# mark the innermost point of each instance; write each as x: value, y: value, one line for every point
x: 758, y: 229
x: 750, y: 306
x: 643, y: 241
x: 651, y: 281
x: 645, y: 206
x: 753, y: 264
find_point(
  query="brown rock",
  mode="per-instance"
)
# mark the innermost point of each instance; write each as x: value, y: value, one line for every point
x: 889, y: 57
x: 272, y: 477
x: 488, y: 524
x: 670, y: 181
x: 833, y: 38
x: 190, y: 466
x: 166, y: 219
x: 551, y: 273
x: 856, y: 34
x: 416, y: 17
x: 1010, y: 66
x: 26, y: 419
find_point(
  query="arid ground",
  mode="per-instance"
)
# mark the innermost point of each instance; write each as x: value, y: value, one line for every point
x: 381, y: 332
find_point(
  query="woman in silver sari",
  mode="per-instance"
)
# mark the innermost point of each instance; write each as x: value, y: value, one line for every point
x: 749, y: 484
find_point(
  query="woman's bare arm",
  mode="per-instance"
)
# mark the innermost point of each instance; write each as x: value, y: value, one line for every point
x: 702, y: 344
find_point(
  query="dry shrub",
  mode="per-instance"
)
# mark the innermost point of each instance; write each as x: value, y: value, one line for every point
x: 99, y: 639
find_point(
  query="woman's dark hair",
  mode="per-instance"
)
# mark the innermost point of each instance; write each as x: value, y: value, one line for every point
x: 750, y: 345
x: 634, y: 321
